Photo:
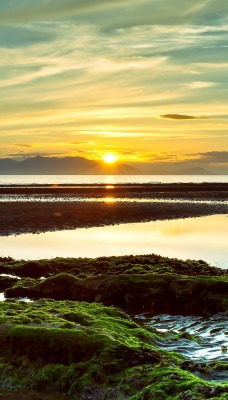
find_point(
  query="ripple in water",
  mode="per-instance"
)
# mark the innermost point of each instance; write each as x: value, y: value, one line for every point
x: 200, y: 339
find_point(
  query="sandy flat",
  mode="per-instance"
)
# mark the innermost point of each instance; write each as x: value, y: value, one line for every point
x: 156, y: 203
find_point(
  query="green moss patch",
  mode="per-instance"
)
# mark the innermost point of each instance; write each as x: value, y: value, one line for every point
x: 92, y: 351
x: 142, y: 264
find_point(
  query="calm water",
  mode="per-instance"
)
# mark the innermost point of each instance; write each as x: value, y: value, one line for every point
x: 191, y: 238
x: 104, y: 179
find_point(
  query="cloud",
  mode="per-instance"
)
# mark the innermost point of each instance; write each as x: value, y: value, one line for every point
x: 216, y: 157
x: 90, y: 143
x: 22, y: 145
x: 214, y: 162
x: 51, y: 9
x: 180, y: 117
x: 23, y: 155
x: 15, y: 36
x: 116, y: 14
x: 201, y: 85
x: 19, y: 154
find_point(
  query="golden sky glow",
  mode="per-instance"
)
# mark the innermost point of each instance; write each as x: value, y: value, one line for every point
x: 145, y: 80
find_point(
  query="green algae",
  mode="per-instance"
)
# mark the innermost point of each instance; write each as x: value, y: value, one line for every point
x: 110, y: 320
x: 103, y: 354
x: 111, y: 342
x: 173, y: 383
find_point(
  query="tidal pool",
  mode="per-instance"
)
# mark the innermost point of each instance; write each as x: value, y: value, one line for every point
x: 191, y: 238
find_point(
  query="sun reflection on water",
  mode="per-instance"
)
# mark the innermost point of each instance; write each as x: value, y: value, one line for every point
x: 109, y: 200
x: 109, y: 180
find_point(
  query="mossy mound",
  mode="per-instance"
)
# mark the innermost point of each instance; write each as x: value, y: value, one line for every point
x: 91, y: 352
x: 156, y: 293
x: 134, y: 283
x: 142, y: 264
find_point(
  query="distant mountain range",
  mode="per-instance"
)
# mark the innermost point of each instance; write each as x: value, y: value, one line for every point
x: 80, y: 166
x: 63, y: 166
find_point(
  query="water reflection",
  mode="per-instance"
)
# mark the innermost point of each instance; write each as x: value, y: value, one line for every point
x: 69, y: 199
x: 194, y: 238
x: 109, y: 199
x: 107, y: 179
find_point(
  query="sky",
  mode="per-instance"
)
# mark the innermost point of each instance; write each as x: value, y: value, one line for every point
x: 145, y: 80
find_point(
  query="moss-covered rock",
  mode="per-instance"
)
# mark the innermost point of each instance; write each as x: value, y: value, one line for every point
x: 142, y: 264
x: 102, y: 355
x: 78, y: 343
x: 157, y: 293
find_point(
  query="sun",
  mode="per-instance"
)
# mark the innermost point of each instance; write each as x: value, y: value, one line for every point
x: 109, y: 158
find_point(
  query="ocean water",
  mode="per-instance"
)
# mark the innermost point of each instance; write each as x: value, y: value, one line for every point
x: 107, y: 179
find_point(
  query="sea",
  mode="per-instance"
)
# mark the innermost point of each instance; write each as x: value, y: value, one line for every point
x: 108, y: 179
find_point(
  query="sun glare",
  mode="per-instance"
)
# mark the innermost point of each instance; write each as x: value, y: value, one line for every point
x: 109, y: 158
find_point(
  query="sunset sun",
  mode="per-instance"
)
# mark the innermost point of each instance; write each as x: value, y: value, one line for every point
x: 109, y: 158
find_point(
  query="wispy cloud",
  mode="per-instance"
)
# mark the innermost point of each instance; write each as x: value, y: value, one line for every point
x: 89, y: 143
x: 216, y: 157
x: 180, y: 117
x: 201, y: 85
x: 22, y: 145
